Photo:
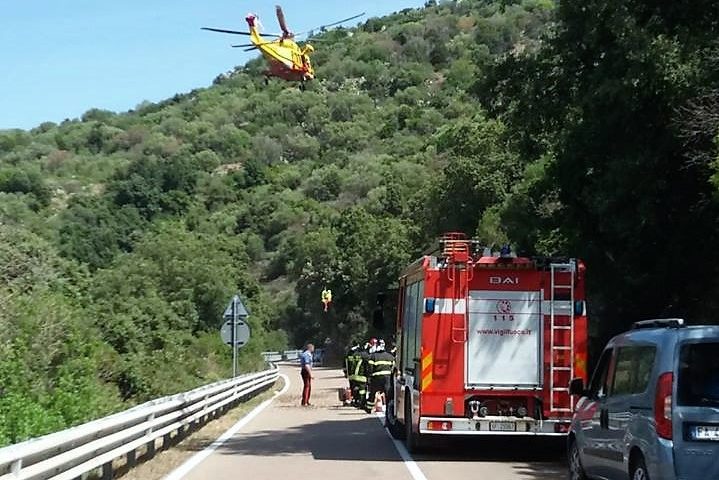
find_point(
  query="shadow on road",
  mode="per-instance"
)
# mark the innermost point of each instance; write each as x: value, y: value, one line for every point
x: 355, y: 439
x: 495, y: 449
x: 530, y: 458
x: 541, y: 472
x: 358, y: 437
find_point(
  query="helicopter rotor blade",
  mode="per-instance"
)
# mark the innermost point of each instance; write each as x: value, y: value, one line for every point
x: 323, y: 27
x: 236, y: 32
x: 282, y: 22
x: 221, y: 30
x: 253, y: 45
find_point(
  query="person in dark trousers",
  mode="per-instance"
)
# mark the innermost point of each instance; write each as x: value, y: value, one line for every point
x: 355, y: 364
x: 380, y: 368
x: 306, y: 358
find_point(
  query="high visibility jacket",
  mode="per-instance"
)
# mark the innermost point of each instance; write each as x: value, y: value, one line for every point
x: 355, y: 367
x: 380, y: 364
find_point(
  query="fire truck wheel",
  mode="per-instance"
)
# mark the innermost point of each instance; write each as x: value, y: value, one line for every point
x: 395, y: 428
x: 412, y: 438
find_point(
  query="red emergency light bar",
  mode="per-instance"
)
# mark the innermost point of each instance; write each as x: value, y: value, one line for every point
x: 515, y: 263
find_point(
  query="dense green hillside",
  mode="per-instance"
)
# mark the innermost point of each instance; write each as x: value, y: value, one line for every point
x: 583, y: 131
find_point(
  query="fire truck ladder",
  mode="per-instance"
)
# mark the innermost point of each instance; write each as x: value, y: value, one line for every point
x: 562, y: 354
x: 456, y: 249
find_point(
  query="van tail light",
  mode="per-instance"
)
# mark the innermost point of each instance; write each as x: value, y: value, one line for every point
x: 663, y: 405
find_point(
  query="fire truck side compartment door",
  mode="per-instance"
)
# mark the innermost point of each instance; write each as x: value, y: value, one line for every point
x: 505, y: 339
x: 411, y: 340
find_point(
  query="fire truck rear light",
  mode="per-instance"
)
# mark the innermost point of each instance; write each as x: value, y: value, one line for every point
x: 522, y: 412
x: 562, y: 427
x: 439, y: 425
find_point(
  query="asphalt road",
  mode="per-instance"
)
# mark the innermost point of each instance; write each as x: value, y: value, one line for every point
x: 328, y: 441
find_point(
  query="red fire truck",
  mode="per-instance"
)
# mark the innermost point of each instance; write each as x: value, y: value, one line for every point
x: 487, y: 344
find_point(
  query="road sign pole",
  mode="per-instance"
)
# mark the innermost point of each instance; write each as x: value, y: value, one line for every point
x: 235, y: 331
x: 234, y: 338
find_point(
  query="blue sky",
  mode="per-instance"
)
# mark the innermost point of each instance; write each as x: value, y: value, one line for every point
x: 61, y: 58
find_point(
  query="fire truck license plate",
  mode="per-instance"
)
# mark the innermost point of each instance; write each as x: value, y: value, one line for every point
x: 502, y: 426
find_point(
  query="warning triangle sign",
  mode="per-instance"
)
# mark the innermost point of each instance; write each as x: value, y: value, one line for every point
x: 239, y: 308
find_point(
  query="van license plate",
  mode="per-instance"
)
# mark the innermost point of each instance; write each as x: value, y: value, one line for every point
x: 502, y: 426
x: 706, y: 433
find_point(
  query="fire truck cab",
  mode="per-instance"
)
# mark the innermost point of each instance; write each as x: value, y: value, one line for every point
x: 487, y: 344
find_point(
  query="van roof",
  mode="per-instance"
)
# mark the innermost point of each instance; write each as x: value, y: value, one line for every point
x: 649, y: 332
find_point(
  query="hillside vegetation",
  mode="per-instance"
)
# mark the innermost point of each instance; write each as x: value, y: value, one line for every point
x: 587, y: 130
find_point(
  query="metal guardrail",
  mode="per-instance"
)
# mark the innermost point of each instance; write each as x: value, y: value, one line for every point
x: 272, y: 356
x: 70, y: 453
x: 292, y: 354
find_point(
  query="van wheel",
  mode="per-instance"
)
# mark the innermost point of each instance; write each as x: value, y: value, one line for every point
x: 412, y: 438
x: 638, y: 470
x: 576, y: 471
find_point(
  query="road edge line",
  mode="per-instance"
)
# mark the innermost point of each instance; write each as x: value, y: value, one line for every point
x: 409, y: 462
x: 197, y: 458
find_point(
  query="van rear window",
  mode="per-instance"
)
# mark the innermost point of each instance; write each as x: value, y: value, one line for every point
x: 699, y: 375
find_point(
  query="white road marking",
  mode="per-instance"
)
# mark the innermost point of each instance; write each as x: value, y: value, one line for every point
x: 196, y: 459
x: 409, y: 462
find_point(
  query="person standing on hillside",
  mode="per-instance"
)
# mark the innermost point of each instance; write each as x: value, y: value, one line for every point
x: 306, y: 358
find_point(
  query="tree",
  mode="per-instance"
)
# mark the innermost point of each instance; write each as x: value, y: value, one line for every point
x: 94, y: 233
x: 604, y: 120
x: 27, y: 181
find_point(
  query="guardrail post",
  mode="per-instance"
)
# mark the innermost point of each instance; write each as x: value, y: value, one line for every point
x: 151, y: 445
x: 203, y: 419
x: 16, y: 467
x: 131, y: 458
x: 107, y: 471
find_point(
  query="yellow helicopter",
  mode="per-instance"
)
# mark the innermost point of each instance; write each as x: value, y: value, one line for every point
x: 286, y: 59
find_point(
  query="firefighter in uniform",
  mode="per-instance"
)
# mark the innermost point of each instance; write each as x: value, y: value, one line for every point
x: 355, y: 363
x: 380, y: 368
